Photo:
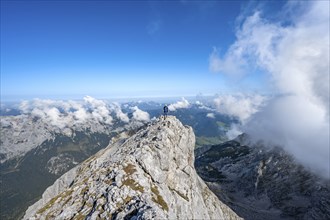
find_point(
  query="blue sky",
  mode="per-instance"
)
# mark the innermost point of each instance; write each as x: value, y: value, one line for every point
x: 109, y: 49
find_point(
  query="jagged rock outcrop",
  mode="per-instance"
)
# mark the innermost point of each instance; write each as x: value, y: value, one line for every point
x: 148, y: 175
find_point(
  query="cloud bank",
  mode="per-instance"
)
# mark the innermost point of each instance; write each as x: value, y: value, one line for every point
x: 61, y: 114
x: 115, y: 107
x: 179, y: 104
x: 295, y: 56
x: 239, y: 106
x: 210, y: 115
x: 140, y: 115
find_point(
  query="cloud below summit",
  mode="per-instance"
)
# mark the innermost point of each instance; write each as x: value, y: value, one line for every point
x: 295, y: 58
x: 179, y: 104
x: 140, y: 115
x: 239, y: 106
x: 63, y: 114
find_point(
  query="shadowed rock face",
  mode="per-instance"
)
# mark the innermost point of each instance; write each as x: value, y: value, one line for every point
x: 148, y: 175
x: 260, y: 182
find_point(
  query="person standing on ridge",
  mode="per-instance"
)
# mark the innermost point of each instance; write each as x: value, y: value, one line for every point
x: 165, y: 111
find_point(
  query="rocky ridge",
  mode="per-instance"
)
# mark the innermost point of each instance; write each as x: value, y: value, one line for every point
x: 148, y: 175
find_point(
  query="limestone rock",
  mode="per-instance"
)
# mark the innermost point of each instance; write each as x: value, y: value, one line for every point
x: 148, y: 175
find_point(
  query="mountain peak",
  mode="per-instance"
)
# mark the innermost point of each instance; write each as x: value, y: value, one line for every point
x: 148, y: 175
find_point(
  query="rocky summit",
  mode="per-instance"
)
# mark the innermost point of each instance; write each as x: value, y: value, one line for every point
x: 149, y: 175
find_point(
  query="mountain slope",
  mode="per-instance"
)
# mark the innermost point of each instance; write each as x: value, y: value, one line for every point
x: 33, y: 154
x: 263, y: 183
x: 149, y: 175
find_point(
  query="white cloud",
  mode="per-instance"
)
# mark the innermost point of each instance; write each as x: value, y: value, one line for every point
x: 140, y: 115
x: 49, y: 111
x: 230, y: 65
x: 24, y: 106
x: 119, y: 113
x: 179, y: 104
x: 61, y: 114
x: 202, y: 106
x: 296, y: 58
x: 99, y: 110
x: 94, y: 102
x: 234, y: 131
x: 239, y: 106
x: 81, y: 115
x: 210, y: 115
x: 38, y: 112
x: 298, y: 125
x: 55, y: 117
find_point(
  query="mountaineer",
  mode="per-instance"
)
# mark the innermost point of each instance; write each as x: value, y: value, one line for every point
x: 165, y: 111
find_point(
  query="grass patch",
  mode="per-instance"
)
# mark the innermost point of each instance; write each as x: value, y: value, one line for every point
x: 158, y: 198
x: 84, y: 190
x: 133, y: 185
x: 63, y: 195
x: 130, y: 169
x: 222, y: 124
x: 74, y: 147
x: 207, y: 141
x: 79, y: 216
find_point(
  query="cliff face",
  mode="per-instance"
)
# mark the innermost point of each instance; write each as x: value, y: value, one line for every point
x: 148, y: 175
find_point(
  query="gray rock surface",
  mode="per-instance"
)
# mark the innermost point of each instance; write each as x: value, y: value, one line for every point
x: 148, y: 175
